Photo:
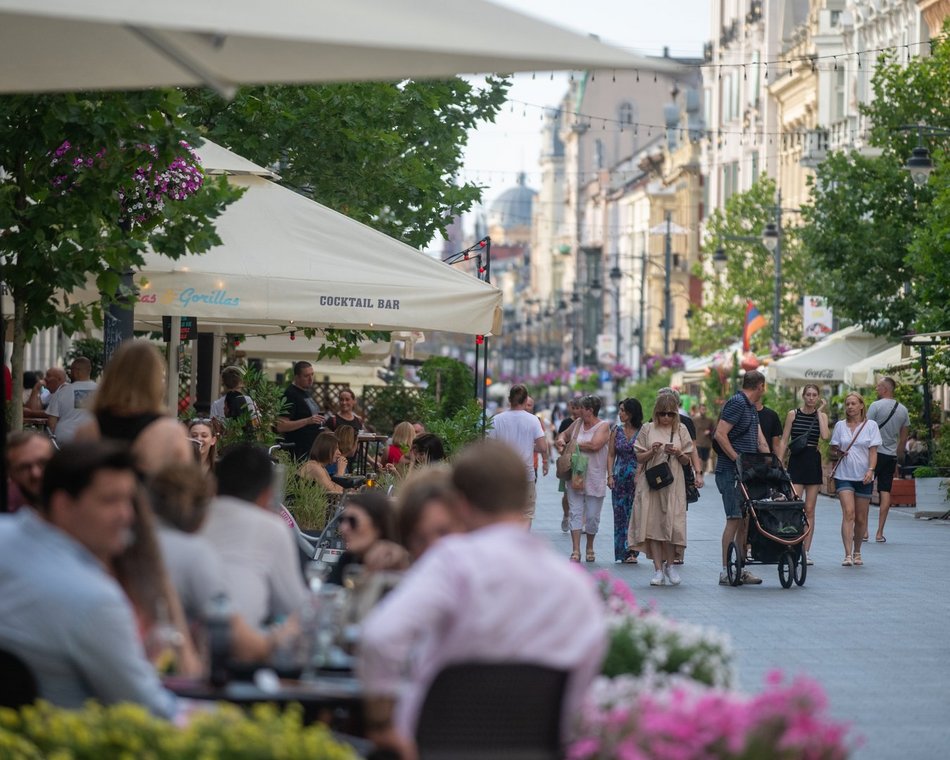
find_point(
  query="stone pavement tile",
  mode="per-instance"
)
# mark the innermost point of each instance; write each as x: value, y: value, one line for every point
x: 875, y: 636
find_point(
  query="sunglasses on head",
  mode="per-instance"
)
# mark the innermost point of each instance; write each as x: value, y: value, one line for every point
x: 666, y: 414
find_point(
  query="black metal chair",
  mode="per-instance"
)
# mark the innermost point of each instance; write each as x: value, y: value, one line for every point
x: 493, y: 711
x: 17, y: 683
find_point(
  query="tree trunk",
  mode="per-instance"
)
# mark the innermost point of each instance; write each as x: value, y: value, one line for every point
x: 16, y: 363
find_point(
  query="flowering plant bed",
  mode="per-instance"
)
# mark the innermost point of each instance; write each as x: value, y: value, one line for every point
x: 125, y: 730
x: 664, y: 695
x: 684, y: 720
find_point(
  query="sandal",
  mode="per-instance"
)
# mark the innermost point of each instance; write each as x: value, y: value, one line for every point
x: 857, y: 559
x: 575, y: 556
x: 847, y: 561
x: 590, y: 556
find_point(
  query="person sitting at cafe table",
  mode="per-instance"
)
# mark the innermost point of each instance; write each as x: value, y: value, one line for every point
x: 260, y: 559
x: 368, y: 527
x: 60, y: 610
x: 180, y: 495
x: 425, y: 511
x: 326, y: 461
x: 496, y: 593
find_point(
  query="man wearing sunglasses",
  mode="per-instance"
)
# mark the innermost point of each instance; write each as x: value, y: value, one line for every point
x: 738, y: 432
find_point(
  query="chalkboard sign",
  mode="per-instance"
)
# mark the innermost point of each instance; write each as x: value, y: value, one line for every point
x: 189, y: 329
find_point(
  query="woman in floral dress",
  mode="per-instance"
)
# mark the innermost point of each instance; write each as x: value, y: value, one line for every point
x: 621, y: 475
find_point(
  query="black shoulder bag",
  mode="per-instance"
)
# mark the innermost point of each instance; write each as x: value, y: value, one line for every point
x: 800, y: 442
x: 659, y: 476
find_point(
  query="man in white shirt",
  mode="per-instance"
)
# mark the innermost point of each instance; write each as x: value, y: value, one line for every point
x: 257, y: 550
x: 893, y: 421
x: 68, y: 408
x: 496, y: 593
x: 522, y: 430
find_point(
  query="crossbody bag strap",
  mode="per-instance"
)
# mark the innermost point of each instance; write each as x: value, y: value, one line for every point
x: 888, y: 418
x: 853, y: 439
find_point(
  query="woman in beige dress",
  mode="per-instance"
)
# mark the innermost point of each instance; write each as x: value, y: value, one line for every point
x: 658, y: 525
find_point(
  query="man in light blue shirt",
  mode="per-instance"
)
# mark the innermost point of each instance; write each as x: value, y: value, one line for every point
x: 60, y: 610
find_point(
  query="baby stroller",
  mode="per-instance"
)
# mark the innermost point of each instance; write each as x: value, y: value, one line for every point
x: 777, y: 522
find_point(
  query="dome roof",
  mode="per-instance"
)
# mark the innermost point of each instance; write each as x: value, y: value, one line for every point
x: 513, y: 207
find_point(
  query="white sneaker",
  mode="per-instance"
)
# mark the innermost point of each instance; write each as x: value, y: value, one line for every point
x: 658, y: 579
x: 672, y: 575
x: 723, y: 578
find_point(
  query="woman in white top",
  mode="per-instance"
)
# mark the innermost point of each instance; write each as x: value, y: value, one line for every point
x: 854, y: 443
x: 584, y: 504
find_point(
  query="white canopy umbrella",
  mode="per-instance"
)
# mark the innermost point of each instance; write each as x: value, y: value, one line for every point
x: 56, y: 45
x: 287, y: 261
x: 864, y: 373
x: 827, y: 359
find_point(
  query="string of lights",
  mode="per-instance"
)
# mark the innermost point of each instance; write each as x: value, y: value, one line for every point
x: 685, y: 132
x: 835, y: 61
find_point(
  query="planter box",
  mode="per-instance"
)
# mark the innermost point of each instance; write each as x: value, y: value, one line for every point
x: 903, y: 493
x: 931, y: 496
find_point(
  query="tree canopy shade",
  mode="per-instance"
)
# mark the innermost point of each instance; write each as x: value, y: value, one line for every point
x: 62, y: 221
x: 387, y: 155
x: 868, y: 227
x: 748, y: 273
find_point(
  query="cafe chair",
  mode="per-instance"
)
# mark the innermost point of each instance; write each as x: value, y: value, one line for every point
x: 17, y: 684
x: 492, y: 711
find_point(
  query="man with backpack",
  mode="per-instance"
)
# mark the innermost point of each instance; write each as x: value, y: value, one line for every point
x: 737, y: 432
x: 235, y: 403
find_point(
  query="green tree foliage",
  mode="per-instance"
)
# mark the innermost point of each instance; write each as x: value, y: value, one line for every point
x: 54, y: 236
x: 749, y: 273
x: 384, y: 154
x: 879, y: 238
x: 449, y: 382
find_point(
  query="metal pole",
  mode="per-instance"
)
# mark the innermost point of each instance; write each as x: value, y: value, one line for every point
x: 928, y: 422
x: 643, y: 290
x: 667, y: 295
x: 617, y: 318
x: 777, y: 306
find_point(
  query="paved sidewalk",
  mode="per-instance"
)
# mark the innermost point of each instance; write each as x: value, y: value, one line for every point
x: 877, y: 637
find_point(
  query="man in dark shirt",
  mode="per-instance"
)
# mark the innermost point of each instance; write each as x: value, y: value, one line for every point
x: 738, y: 432
x: 302, y: 421
x: 771, y: 428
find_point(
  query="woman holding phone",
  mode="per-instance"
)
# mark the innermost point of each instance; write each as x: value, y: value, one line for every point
x: 658, y: 526
x: 854, y: 443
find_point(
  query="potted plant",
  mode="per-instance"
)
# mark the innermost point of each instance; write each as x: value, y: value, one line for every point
x: 931, y: 492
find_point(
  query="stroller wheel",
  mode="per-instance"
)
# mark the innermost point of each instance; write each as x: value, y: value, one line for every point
x: 734, y: 565
x: 785, y: 570
x: 800, y: 568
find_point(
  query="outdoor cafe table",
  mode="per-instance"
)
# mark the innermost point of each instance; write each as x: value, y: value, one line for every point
x: 326, y: 697
x: 362, y: 458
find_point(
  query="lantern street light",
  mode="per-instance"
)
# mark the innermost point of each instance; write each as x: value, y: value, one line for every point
x: 919, y: 165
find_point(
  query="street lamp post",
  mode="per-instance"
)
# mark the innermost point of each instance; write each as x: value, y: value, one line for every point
x: 772, y: 241
x: 667, y: 293
x: 615, y: 276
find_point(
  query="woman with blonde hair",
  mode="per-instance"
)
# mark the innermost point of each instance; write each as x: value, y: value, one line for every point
x: 658, y: 525
x: 804, y: 427
x: 130, y: 406
x: 324, y: 456
x: 403, y: 435
x: 854, y: 445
